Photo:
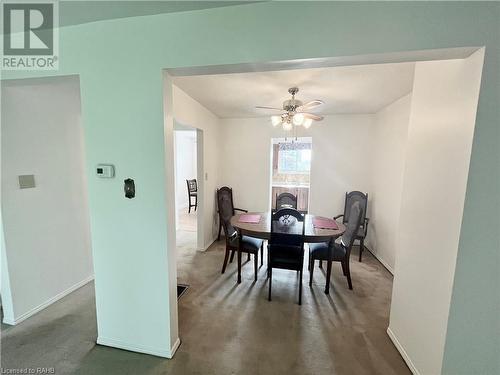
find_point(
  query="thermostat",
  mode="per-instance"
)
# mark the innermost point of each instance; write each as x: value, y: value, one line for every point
x: 105, y: 170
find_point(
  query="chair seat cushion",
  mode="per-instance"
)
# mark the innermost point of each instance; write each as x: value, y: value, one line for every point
x: 320, y: 251
x: 286, y: 256
x: 249, y: 243
x: 361, y: 233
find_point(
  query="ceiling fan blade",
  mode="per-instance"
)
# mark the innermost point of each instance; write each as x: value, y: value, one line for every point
x: 273, y: 108
x: 309, y: 105
x: 313, y: 116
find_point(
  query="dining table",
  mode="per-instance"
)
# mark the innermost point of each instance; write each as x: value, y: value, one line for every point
x: 258, y: 225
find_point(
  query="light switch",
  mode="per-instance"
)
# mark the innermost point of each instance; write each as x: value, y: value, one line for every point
x: 26, y: 181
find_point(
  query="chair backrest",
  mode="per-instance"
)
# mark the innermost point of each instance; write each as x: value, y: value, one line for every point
x: 226, y: 210
x: 287, y: 228
x: 352, y: 226
x: 192, y: 186
x: 286, y: 200
x: 350, y: 199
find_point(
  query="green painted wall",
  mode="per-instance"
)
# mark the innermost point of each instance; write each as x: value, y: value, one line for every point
x: 80, y: 11
x: 120, y: 62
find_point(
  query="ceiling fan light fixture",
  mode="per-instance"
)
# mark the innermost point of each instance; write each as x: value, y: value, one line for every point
x: 298, y: 119
x: 294, y: 112
x: 307, y: 123
x: 275, y: 120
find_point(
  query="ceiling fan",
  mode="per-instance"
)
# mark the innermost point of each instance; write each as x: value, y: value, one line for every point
x: 294, y: 112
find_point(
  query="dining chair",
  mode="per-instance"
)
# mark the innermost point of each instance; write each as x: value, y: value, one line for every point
x: 226, y: 193
x: 286, y: 244
x: 285, y: 200
x: 248, y: 244
x: 192, y: 189
x: 337, y: 252
x: 362, y: 199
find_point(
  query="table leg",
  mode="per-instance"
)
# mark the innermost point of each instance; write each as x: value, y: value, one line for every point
x: 239, y: 258
x: 328, y: 274
x: 329, y: 267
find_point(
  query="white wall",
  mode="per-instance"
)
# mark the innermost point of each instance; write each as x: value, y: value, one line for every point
x: 6, y: 303
x: 185, y: 165
x: 189, y: 112
x: 387, y: 161
x: 47, y: 234
x: 441, y: 127
x: 245, y: 160
x: 339, y: 161
x: 350, y: 152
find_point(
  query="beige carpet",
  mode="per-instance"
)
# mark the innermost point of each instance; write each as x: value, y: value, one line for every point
x: 227, y: 328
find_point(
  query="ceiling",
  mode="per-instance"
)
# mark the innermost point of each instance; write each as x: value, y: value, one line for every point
x: 77, y: 12
x: 345, y: 90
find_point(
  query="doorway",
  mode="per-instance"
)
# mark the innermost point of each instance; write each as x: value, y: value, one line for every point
x: 187, y: 187
x: 291, y: 169
x: 423, y: 106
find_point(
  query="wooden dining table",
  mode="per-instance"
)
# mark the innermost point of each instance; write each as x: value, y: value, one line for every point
x: 262, y: 230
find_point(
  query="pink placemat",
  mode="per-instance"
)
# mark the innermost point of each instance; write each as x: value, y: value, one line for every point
x: 324, y: 223
x: 253, y: 219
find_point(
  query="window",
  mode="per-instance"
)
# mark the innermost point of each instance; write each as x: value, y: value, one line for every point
x: 291, y: 165
x: 294, y: 160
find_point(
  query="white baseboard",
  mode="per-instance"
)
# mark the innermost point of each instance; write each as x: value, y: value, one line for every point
x: 164, y: 353
x: 174, y: 348
x: 402, y: 351
x: 50, y: 301
x: 381, y: 260
x: 205, y: 248
x: 9, y: 320
x: 384, y: 263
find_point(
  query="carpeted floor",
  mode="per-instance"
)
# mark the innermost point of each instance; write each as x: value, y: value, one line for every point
x: 187, y: 221
x: 230, y: 329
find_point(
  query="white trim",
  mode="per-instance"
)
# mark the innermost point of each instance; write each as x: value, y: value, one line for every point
x: 205, y: 248
x: 164, y: 353
x: 174, y: 348
x: 402, y: 351
x: 381, y: 260
x: 47, y: 303
x: 9, y: 321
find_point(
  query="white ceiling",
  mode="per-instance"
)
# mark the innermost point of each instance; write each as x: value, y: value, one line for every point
x: 347, y: 89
